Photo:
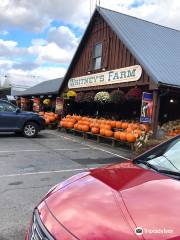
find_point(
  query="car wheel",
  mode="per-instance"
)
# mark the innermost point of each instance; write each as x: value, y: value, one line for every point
x: 30, y: 130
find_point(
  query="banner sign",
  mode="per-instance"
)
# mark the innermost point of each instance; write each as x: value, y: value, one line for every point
x: 121, y: 75
x: 146, y: 107
x: 59, y: 105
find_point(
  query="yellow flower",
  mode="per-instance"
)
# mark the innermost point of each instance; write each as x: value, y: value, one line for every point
x: 71, y: 94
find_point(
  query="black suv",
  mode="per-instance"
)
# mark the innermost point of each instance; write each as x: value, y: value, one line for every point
x: 12, y: 119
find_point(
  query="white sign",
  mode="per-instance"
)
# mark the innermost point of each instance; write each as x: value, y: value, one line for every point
x: 121, y: 75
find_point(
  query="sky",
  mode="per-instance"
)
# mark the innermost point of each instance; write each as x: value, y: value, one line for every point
x: 39, y: 37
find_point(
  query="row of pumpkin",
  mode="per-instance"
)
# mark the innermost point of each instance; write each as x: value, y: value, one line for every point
x: 123, y: 131
x: 49, y: 117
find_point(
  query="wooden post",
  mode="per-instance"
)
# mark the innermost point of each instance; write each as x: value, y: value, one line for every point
x: 155, y: 116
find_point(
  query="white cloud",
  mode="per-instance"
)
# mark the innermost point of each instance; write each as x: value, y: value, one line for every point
x: 51, y: 53
x: 11, y: 49
x: 63, y: 36
x: 37, y: 15
x: 40, y: 73
x: 39, y: 41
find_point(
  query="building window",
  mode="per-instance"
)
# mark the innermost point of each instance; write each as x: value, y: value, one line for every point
x: 97, y: 56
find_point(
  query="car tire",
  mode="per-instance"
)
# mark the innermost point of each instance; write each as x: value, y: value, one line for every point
x: 30, y: 130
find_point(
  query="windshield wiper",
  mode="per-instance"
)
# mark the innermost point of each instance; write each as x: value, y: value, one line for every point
x: 169, y: 172
x: 147, y: 164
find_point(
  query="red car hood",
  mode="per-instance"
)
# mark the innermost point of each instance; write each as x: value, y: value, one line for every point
x: 109, y: 203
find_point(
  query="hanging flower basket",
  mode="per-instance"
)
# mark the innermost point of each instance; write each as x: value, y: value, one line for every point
x: 102, y: 97
x: 71, y: 94
x: 134, y: 94
x: 80, y: 97
x: 117, y: 96
x: 89, y: 97
x: 46, y: 101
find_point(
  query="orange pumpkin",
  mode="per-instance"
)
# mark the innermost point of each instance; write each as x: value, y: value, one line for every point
x: 51, y: 118
x: 47, y: 121
x: 95, y: 130
x: 61, y: 123
x: 124, y: 125
x: 85, y: 128
x: 108, y: 133
x: 138, y: 132
x: 76, y: 126
x: 144, y: 127
x: 118, y: 124
x: 129, y: 129
x: 123, y: 136
x: 102, y: 131
x: 69, y: 124
x: 113, y: 124
x: 79, y: 127
x: 130, y: 137
x: 107, y: 126
x: 117, y: 135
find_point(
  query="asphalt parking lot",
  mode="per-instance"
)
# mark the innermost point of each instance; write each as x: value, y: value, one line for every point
x: 30, y: 167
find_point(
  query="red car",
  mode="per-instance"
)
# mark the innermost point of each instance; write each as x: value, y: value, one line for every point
x: 137, y: 199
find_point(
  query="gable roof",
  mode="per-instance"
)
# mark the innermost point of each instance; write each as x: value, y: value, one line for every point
x: 46, y: 87
x: 156, y: 48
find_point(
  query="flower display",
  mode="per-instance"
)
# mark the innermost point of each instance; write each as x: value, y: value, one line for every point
x: 117, y: 96
x: 46, y: 101
x: 134, y: 94
x: 71, y: 94
x: 102, y: 97
x: 89, y: 96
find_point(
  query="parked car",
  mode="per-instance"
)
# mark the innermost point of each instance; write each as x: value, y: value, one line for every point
x: 12, y: 119
x: 136, y: 199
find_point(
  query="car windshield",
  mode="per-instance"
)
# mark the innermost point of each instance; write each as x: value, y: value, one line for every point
x: 165, y: 158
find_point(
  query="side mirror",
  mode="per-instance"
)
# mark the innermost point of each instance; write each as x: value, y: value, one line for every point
x: 18, y: 110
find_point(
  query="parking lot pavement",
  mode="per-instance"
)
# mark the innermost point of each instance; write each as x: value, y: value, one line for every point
x: 30, y: 167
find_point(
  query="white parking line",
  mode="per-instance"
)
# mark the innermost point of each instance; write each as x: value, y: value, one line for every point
x: 45, y: 172
x: 38, y: 150
x: 96, y: 148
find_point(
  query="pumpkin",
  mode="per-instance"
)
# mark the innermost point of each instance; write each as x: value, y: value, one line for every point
x: 69, y: 124
x: 85, y: 128
x: 102, y: 131
x: 124, y: 125
x: 113, y: 124
x: 138, y: 132
x: 107, y: 126
x: 129, y: 129
x: 144, y: 127
x: 118, y: 124
x: 134, y: 126
x: 51, y: 118
x: 79, y: 127
x: 62, y: 123
x: 130, y: 137
x: 95, y: 130
x: 117, y: 135
x: 47, y: 121
x: 108, y: 133
x: 76, y: 126
x: 123, y: 136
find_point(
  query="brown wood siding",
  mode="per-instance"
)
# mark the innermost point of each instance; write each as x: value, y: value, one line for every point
x: 115, y: 54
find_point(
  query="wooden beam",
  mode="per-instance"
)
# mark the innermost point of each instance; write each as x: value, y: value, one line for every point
x: 155, y: 116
